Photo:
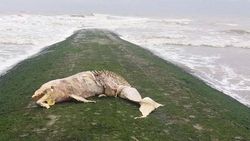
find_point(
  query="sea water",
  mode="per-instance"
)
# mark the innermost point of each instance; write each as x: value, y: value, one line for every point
x: 215, y: 50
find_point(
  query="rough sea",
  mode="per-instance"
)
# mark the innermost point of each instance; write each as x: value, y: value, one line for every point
x: 215, y: 50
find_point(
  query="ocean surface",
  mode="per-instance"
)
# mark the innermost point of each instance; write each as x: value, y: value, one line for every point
x: 215, y: 50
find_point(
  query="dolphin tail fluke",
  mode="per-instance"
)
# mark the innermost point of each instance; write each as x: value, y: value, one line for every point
x: 148, y: 105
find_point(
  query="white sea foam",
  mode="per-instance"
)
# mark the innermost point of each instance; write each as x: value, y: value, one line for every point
x: 181, y: 41
x: 24, y: 35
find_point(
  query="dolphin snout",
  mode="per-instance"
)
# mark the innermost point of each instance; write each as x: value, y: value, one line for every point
x: 37, y: 95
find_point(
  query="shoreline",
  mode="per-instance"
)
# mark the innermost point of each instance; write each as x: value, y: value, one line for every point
x: 184, y: 68
x: 201, y: 77
x: 154, y: 33
x: 192, y: 110
x: 37, y: 53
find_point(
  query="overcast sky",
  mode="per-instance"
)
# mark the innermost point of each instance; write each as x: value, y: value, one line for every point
x: 234, y: 8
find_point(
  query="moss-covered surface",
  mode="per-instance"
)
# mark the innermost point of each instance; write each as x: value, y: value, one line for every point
x: 192, y: 111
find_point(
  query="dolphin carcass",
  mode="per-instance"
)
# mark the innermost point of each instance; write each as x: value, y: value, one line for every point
x: 88, y: 84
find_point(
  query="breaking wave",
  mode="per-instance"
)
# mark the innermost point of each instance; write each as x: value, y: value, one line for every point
x: 23, y: 35
x: 238, y: 31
